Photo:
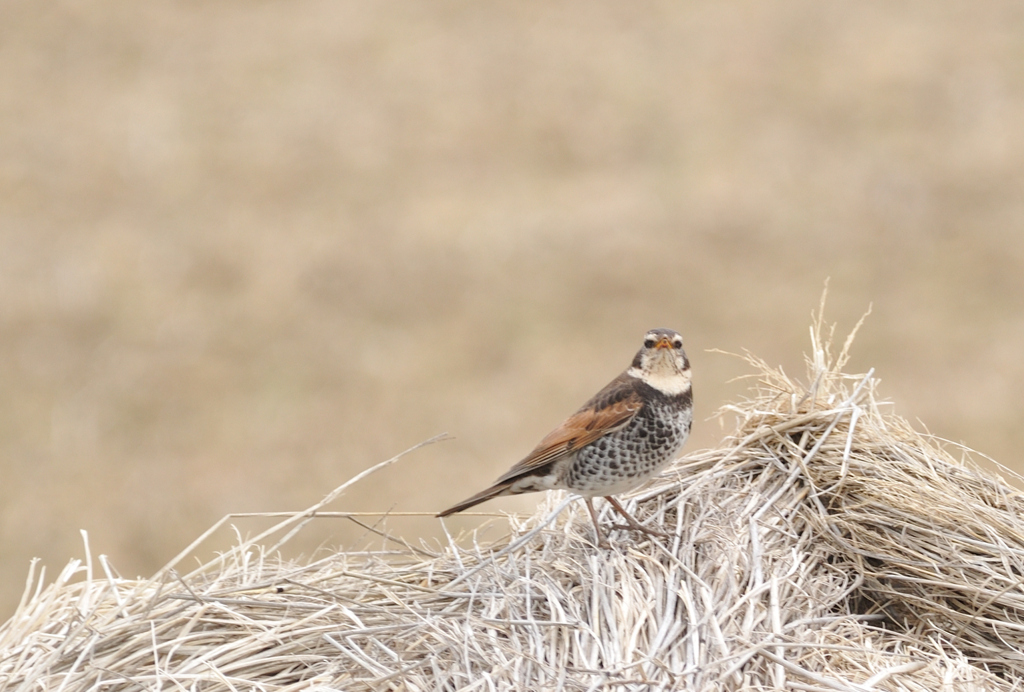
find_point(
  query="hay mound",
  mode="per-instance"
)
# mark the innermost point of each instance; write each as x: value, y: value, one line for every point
x: 824, y: 545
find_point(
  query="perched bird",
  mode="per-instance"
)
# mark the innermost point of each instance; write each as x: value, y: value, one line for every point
x: 618, y: 440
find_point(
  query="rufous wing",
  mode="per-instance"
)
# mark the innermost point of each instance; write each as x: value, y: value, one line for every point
x: 610, y: 409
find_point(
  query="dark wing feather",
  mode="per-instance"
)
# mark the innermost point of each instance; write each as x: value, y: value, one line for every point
x: 610, y: 409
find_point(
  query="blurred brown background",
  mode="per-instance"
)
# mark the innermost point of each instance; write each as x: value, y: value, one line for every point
x: 248, y: 249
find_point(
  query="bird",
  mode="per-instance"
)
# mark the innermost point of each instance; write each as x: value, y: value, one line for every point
x: 616, y: 441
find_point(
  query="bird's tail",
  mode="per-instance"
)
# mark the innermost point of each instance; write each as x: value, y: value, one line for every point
x: 483, y: 496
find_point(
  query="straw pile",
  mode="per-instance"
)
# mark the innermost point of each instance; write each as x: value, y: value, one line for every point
x: 824, y: 546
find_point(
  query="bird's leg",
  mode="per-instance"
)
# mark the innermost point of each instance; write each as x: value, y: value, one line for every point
x: 632, y: 523
x: 602, y: 542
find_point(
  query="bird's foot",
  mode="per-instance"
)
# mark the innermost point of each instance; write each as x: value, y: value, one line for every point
x: 631, y: 523
x: 642, y: 529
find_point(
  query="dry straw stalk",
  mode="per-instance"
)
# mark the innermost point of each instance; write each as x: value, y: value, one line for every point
x: 825, y: 545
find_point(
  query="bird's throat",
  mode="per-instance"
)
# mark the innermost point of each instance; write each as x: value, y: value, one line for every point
x: 666, y: 380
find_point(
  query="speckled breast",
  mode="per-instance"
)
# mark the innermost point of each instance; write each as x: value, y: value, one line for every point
x: 624, y: 459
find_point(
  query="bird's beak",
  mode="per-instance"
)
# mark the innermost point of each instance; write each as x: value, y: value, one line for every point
x: 663, y: 342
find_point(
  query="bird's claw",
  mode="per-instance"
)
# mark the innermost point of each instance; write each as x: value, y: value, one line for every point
x: 642, y: 529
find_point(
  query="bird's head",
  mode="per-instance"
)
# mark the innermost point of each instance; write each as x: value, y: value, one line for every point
x: 662, y: 363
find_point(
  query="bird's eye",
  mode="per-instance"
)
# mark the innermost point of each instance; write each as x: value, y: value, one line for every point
x: 678, y: 343
x: 648, y: 343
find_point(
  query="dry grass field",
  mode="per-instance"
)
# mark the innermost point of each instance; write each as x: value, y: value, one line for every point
x: 822, y: 545
x: 250, y: 249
